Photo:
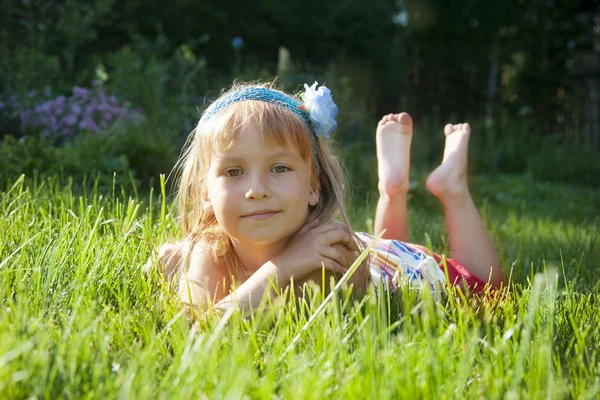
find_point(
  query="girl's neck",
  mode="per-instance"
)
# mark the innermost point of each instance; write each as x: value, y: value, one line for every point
x: 252, y: 256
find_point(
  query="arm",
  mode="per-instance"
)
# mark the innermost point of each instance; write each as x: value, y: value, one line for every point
x: 203, y: 284
x: 206, y: 285
x: 359, y: 280
x: 268, y: 278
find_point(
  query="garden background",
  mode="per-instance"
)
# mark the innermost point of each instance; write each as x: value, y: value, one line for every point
x: 98, y: 97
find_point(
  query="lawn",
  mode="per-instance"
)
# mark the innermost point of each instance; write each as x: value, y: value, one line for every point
x: 79, y: 319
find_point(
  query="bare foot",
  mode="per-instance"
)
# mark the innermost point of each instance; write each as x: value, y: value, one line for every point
x: 449, y: 180
x: 394, y: 134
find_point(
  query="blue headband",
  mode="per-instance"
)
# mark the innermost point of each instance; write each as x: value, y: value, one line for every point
x: 269, y: 96
x: 260, y: 94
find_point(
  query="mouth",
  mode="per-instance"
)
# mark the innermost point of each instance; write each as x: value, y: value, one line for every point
x: 261, y: 214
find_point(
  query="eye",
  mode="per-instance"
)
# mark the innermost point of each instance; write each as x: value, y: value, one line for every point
x: 233, y: 172
x: 280, y: 169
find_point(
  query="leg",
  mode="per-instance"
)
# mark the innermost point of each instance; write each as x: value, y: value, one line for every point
x: 470, y: 243
x: 394, y: 134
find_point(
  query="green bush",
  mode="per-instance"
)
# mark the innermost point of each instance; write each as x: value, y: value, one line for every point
x: 25, y: 156
x: 133, y: 152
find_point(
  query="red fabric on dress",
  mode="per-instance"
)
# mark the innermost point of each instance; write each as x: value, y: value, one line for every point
x: 457, y: 272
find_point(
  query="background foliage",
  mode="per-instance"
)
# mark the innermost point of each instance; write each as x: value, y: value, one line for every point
x: 525, y: 73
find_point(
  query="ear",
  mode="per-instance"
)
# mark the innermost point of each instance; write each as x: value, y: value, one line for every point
x: 313, y: 197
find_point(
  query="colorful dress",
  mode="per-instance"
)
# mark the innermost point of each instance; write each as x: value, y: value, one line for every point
x: 393, y: 262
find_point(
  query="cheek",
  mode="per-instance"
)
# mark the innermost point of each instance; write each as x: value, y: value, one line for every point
x: 223, y: 199
x: 220, y: 195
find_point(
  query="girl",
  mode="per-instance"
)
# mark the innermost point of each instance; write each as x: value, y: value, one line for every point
x: 259, y: 189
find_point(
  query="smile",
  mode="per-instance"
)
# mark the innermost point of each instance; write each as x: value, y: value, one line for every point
x: 258, y: 215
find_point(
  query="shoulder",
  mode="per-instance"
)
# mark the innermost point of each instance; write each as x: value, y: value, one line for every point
x: 202, y: 263
x: 203, y: 279
x: 168, y: 260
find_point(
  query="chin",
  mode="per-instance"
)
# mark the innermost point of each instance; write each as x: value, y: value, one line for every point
x: 266, y: 236
x: 263, y: 239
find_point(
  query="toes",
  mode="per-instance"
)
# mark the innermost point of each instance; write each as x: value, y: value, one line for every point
x: 404, y: 118
x: 466, y: 127
x: 384, y: 119
x: 448, y: 129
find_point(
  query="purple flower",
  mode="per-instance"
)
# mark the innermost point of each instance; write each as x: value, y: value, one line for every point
x: 88, y: 124
x: 75, y: 108
x: 54, y: 125
x: 86, y: 109
x: 25, y: 118
x: 70, y: 120
x: 46, y: 108
x: 101, y: 94
x: 80, y: 92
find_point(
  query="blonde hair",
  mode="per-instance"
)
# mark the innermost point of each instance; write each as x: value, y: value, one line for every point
x: 278, y: 126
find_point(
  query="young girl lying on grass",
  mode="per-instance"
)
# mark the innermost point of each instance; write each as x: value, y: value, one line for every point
x: 260, y: 187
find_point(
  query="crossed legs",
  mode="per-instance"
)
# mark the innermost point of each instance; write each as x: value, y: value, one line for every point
x: 470, y: 242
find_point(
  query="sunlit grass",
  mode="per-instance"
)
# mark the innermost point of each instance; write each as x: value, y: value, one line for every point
x: 79, y: 319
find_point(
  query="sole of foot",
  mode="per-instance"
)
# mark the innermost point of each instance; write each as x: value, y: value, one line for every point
x: 450, y: 178
x: 394, y: 136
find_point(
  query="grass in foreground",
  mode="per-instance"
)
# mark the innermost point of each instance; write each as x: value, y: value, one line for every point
x: 80, y: 320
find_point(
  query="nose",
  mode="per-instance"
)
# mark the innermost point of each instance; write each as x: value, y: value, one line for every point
x: 258, y: 188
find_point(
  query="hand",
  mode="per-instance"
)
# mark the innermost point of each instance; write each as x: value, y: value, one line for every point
x: 350, y: 253
x: 315, y: 245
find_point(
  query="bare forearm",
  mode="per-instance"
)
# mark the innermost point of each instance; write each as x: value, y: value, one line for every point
x: 250, y: 293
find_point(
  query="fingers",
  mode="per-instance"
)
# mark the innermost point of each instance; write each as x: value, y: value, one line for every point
x: 349, y: 255
x: 352, y: 245
x: 335, y: 232
x: 336, y: 236
x: 331, y: 226
x: 334, y: 254
x: 335, y: 267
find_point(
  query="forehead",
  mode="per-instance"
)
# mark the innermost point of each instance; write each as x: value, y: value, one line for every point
x: 251, y: 140
x: 247, y: 122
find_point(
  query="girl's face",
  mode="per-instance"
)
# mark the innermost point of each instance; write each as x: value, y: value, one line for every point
x: 259, y: 193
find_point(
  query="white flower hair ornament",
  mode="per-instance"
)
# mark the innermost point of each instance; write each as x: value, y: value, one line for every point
x: 321, y: 109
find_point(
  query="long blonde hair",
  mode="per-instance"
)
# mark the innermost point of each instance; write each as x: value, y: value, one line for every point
x: 278, y: 126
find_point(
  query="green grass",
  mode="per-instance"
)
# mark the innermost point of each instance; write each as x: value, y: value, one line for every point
x: 80, y: 320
